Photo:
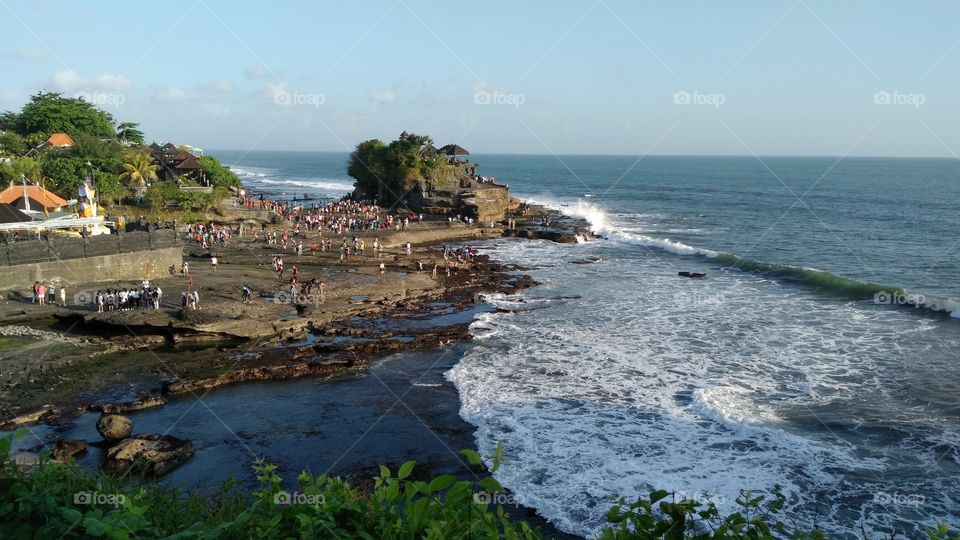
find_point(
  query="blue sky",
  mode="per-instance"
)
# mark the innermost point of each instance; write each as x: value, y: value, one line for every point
x: 796, y: 77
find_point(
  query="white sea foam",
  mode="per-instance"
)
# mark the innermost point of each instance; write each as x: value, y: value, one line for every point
x: 602, y: 225
x: 327, y: 184
x: 647, y: 382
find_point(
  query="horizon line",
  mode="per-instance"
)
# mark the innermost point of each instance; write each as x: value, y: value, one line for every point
x: 751, y: 156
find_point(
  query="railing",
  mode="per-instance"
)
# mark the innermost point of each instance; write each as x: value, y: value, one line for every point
x: 57, y: 248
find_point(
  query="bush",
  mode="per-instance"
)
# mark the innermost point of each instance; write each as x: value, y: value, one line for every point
x: 55, y: 500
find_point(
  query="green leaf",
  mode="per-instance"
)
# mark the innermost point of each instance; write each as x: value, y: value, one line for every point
x: 406, y: 469
x: 472, y: 456
x: 384, y: 472
x: 490, y: 485
x: 441, y: 482
x: 658, y: 495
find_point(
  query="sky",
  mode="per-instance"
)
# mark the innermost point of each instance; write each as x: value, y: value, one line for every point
x: 765, y: 77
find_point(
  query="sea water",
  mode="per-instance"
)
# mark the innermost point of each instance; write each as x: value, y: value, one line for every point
x: 797, y: 361
x: 819, y: 353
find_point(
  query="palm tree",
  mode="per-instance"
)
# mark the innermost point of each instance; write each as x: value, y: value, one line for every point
x: 138, y: 170
x: 129, y: 133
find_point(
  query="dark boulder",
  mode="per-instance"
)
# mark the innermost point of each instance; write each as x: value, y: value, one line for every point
x: 152, y: 454
x: 64, y: 449
x: 114, y: 427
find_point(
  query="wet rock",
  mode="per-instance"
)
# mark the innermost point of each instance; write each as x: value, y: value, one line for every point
x: 65, y: 449
x: 140, y: 404
x: 567, y: 239
x: 157, y: 454
x: 114, y: 427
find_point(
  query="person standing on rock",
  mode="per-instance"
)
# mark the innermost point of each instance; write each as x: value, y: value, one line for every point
x: 213, y: 262
x: 246, y: 294
x: 382, y: 268
x: 63, y: 296
x: 42, y: 293
x: 409, y: 249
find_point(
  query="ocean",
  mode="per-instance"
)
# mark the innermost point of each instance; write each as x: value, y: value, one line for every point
x: 820, y: 352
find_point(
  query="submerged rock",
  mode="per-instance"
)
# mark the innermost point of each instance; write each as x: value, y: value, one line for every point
x: 64, y: 449
x: 157, y: 454
x: 114, y: 427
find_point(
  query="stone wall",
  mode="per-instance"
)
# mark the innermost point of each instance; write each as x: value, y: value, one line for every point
x: 57, y: 247
x: 135, y: 265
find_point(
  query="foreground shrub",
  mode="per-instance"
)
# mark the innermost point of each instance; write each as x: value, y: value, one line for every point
x: 53, y: 500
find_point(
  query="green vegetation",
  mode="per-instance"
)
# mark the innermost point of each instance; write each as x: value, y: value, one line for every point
x: 217, y: 174
x: 138, y: 170
x: 129, y: 133
x: 59, y: 501
x: 49, y: 112
x: 388, y: 172
x: 122, y: 168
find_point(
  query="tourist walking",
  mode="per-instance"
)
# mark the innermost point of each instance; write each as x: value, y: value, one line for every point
x: 213, y: 263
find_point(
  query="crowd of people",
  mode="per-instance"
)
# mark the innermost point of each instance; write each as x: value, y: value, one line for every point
x: 337, y: 219
x: 128, y: 298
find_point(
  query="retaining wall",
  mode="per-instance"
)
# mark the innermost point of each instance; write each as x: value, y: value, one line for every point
x: 134, y: 265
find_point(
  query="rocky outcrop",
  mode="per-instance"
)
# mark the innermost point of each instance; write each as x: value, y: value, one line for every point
x: 64, y: 449
x: 152, y: 454
x: 138, y: 405
x: 113, y: 427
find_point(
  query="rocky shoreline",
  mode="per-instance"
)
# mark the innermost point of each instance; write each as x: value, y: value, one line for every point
x: 153, y: 354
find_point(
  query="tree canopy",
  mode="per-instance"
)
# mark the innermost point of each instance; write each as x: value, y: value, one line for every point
x: 217, y: 174
x: 388, y: 172
x: 50, y: 112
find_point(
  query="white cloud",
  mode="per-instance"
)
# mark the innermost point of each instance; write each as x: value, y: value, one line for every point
x: 112, y: 82
x: 215, y: 109
x: 222, y: 86
x: 387, y: 96
x: 69, y: 80
x: 27, y: 54
x: 258, y: 71
x: 171, y: 95
x: 381, y: 99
